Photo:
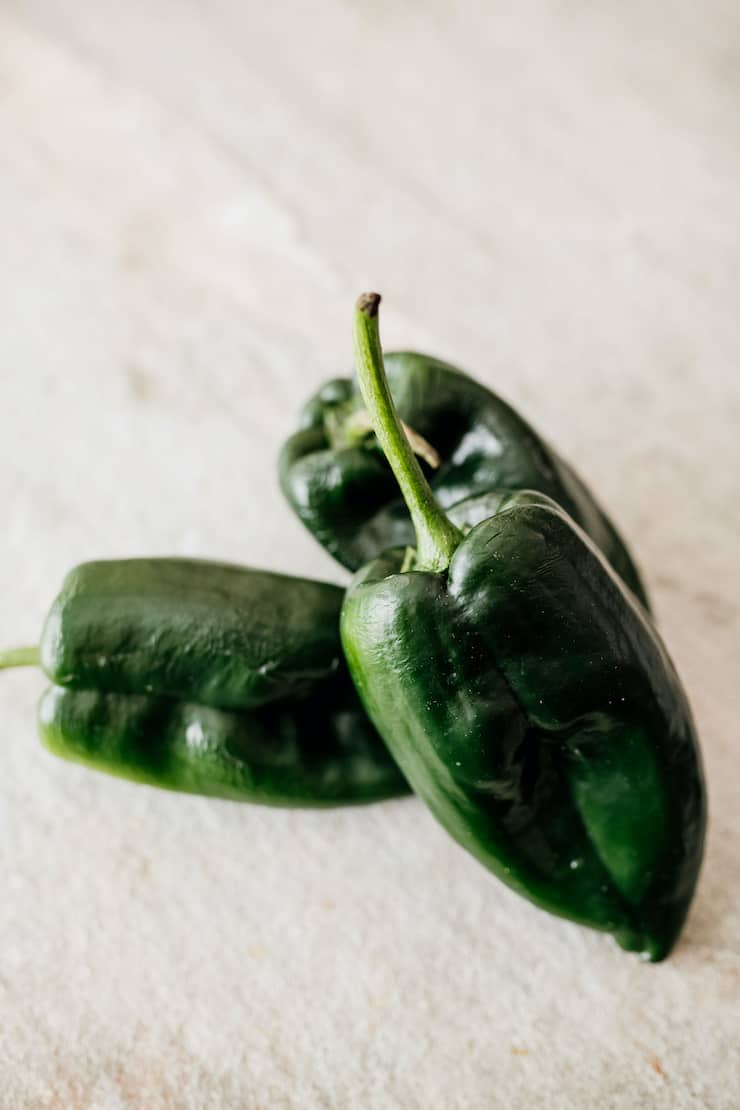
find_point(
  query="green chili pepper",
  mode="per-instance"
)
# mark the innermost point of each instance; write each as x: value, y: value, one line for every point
x: 316, y: 750
x: 337, y: 479
x: 529, y: 699
x: 213, y: 633
x: 207, y: 678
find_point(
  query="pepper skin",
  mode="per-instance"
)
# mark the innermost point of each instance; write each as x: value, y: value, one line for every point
x: 317, y: 751
x: 530, y: 701
x: 213, y: 633
x: 208, y: 678
x: 337, y: 480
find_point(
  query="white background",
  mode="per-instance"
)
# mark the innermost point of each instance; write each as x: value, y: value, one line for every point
x: 191, y: 197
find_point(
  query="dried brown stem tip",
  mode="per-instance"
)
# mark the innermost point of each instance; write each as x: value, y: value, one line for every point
x: 368, y: 303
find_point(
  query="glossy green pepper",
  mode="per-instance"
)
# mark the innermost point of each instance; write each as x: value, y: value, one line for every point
x: 213, y: 633
x: 337, y: 479
x: 208, y: 678
x: 315, y: 750
x: 529, y: 699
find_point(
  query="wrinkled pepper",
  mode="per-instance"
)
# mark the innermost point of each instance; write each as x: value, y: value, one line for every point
x: 337, y: 480
x: 528, y: 697
x: 207, y: 678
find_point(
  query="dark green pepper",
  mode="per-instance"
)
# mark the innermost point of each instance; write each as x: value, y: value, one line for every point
x: 212, y: 633
x: 208, y: 678
x: 529, y: 699
x: 316, y: 750
x: 338, y: 481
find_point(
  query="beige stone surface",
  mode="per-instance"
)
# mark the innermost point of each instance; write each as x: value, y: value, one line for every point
x: 191, y: 197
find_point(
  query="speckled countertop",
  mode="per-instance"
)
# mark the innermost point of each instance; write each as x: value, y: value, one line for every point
x: 191, y: 196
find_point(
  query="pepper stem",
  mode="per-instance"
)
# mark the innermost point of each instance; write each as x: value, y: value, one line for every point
x: 19, y: 657
x: 436, y: 535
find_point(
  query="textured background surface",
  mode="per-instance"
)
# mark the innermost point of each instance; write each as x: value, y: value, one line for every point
x: 191, y: 196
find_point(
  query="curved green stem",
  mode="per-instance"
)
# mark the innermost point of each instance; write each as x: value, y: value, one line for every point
x: 436, y: 535
x: 19, y: 657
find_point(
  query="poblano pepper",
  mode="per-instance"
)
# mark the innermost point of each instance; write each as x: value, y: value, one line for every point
x: 337, y: 480
x: 207, y: 678
x: 528, y: 698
